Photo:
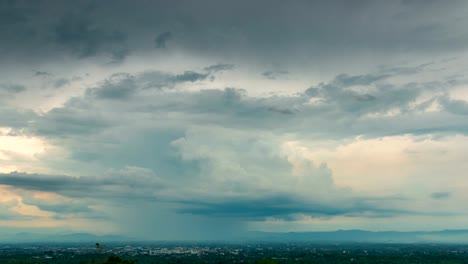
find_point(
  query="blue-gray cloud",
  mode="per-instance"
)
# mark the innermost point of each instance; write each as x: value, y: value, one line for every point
x: 190, y: 76
x: 17, y: 119
x: 87, y: 28
x: 286, y: 207
x: 273, y: 75
x: 12, y: 88
x: 59, y: 83
x: 130, y: 182
x: 198, y: 144
x: 162, y: 39
x: 42, y: 74
x: 123, y: 187
x: 69, y: 121
x: 440, y: 195
x: 219, y: 67
x: 78, y: 34
x: 458, y: 107
x: 151, y: 94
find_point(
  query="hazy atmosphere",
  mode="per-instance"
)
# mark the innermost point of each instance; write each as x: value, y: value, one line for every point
x: 209, y: 119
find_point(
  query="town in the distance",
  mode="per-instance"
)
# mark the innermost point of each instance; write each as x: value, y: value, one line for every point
x: 210, y: 252
x: 342, y: 246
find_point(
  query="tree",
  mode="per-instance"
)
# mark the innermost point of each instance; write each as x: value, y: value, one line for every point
x: 119, y: 260
x: 267, y: 261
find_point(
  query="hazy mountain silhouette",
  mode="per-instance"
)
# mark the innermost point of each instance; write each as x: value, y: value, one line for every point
x: 444, y: 236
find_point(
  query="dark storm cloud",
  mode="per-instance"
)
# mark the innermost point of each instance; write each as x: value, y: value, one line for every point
x: 162, y: 39
x: 11, y: 14
x: 310, y: 30
x: 133, y: 187
x: 78, y: 34
x: 55, y: 27
x: 285, y: 206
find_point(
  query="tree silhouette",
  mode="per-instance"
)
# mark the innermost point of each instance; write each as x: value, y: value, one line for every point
x: 119, y: 260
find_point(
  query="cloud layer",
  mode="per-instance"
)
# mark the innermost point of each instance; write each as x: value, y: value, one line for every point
x: 232, y: 115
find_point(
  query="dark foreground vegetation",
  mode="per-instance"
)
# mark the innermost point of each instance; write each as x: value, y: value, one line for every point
x: 262, y: 253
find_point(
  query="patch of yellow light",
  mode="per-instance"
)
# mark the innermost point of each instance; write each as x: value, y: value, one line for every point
x: 19, y: 153
x: 460, y: 94
x: 363, y: 164
x: 78, y: 224
x: 385, y: 165
x: 390, y: 113
x: 7, y: 196
x: 47, y: 196
x: 30, y: 210
x: 15, y: 204
x: 20, y: 144
x: 434, y: 107
x: 43, y: 219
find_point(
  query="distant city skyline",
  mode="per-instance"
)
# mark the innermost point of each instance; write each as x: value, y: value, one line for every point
x: 209, y: 119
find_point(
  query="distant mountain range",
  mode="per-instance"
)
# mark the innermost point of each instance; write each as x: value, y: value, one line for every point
x: 358, y: 236
x: 444, y: 236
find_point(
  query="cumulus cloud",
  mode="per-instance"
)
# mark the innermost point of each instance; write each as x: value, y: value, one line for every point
x: 151, y: 102
x: 229, y: 186
x: 121, y: 86
x: 214, y: 146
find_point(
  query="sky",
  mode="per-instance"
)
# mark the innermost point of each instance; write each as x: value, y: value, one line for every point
x: 209, y: 119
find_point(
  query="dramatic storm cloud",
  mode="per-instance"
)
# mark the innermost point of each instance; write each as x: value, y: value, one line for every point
x: 184, y: 120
